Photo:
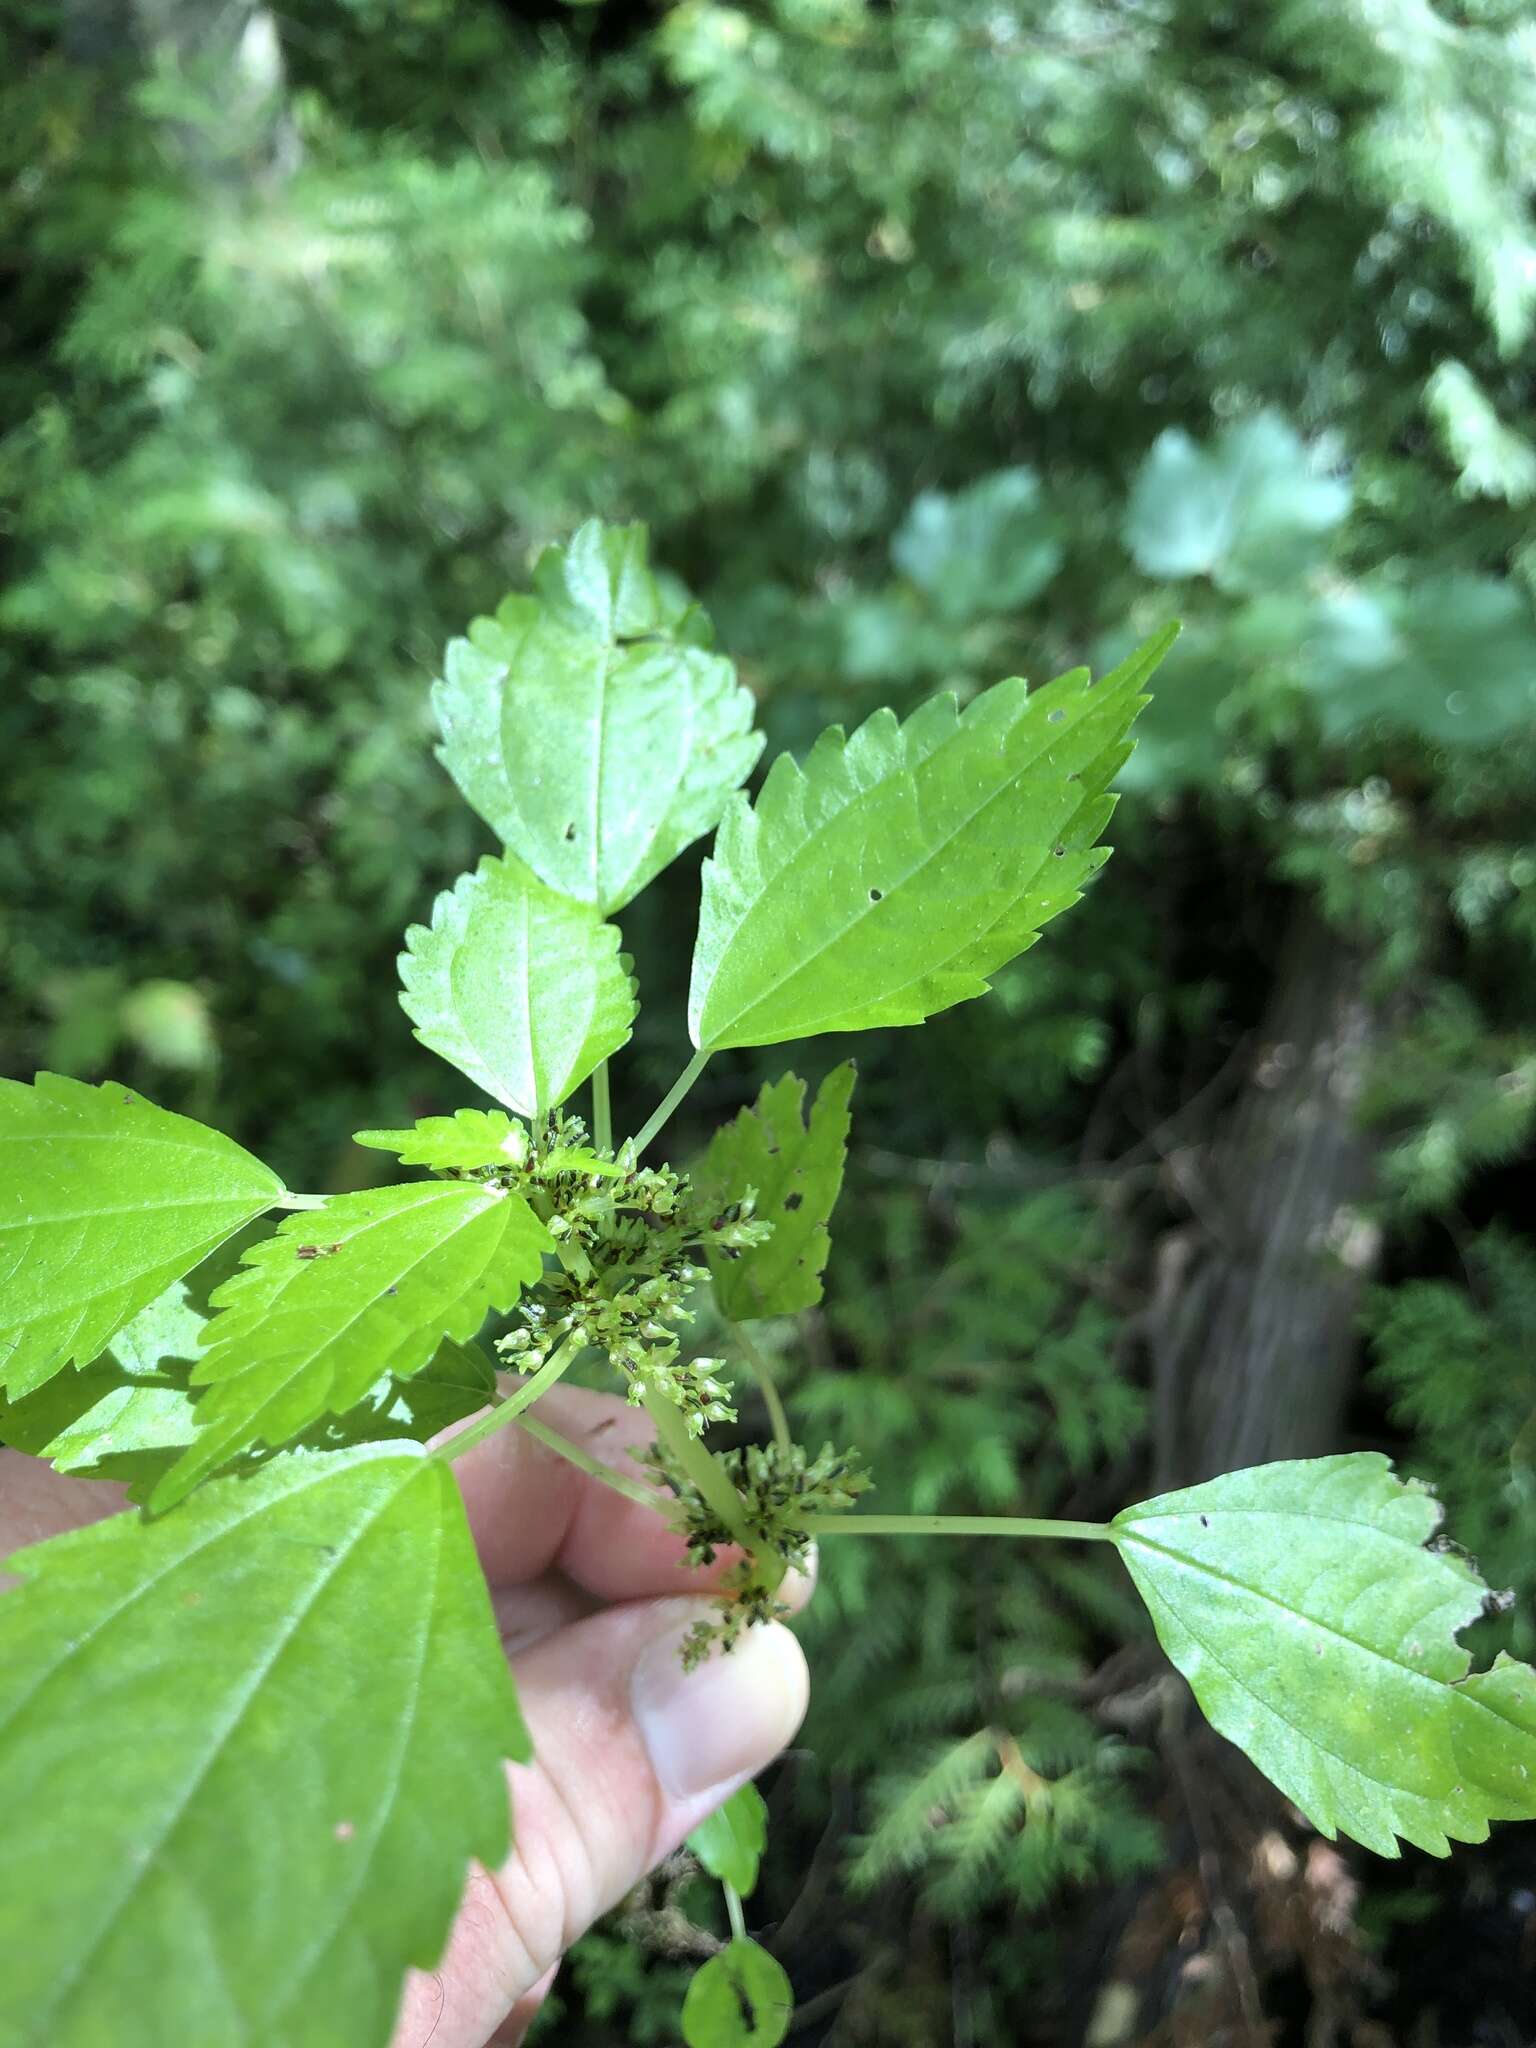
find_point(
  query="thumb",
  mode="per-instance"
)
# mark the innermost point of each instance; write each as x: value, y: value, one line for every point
x: 630, y: 1753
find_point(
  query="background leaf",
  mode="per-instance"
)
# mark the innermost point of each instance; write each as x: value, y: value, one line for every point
x: 1319, y: 1635
x: 364, y: 1287
x: 740, y: 1998
x: 1250, y: 510
x: 104, y: 1201
x: 730, y: 1843
x: 795, y: 1167
x: 586, y: 726
x: 892, y: 874
x: 989, y: 548
x: 524, y: 990
x: 298, y: 1707
x: 1452, y: 660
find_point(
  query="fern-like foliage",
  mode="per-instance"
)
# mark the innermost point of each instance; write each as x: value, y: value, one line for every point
x: 1456, y: 1363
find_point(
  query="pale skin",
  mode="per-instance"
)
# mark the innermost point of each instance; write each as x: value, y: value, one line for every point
x: 591, y: 1595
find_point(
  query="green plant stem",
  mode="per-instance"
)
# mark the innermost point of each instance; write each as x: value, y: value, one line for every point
x: 737, y: 1918
x: 957, y: 1525
x: 700, y: 1465
x: 669, y: 1102
x: 632, y: 1489
x: 602, y: 1109
x: 511, y: 1408
x: 301, y: 1201
x: 762, y: 1372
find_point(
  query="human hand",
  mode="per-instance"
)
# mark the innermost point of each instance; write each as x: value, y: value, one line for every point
x: 592, y: 1599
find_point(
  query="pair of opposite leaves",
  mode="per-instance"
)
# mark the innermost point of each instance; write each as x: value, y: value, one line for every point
x: 884, y: 880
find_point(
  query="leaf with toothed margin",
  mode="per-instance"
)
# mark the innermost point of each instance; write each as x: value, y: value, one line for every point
x: 1319, y: 1634
x: 104, y: 1201
x: 368, y: 1285
x: 298, y: 1710
x: 794, y: 1168
x: 524, y: 990
x: 899, y: 868
x: 467, y: 1139
x: 588, y: 724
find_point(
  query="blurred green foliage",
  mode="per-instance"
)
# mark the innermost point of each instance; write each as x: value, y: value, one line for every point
x: 935, y: 344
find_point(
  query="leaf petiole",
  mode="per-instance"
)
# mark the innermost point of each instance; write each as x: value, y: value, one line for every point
x: 762, y: 1372
x: 512, y: 1407
x: 632, y: 1489
x: 738, y: 1918
x: 958, y: 1525
x: 669, y: 1102
x: 602, y: 1109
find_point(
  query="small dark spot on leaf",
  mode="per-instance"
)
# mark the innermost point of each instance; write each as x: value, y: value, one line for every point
x: 793, y: 1201
x: 773, y: 1151
x: 1205, y: 1521
x: 876, y: 895
x: 570, y: 831
x: 1059, y: 852
x: 391, y: 1290
x: 1055, y: 717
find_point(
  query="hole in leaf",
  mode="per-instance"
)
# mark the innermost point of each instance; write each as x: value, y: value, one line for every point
x: 1059, y: 852
x: 793, y: 1201
x: 876, y: 895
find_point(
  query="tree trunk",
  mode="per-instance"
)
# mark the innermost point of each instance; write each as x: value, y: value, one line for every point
x: 1252, y: 1325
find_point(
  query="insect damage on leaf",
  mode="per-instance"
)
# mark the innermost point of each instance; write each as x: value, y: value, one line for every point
x: 790, y: 1169
x: 902, y: 865
x: 299, y: 1335
x: 1319, y: 1634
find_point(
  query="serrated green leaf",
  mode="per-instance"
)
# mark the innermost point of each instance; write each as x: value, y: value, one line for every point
x: 586, y: 725
x: 740, y: 1998
x: 246, y: 1755
x: 1250, y: 509
x: 1319, y: 1635
x: 730, y: 1843
x: 1452, y: 660
x: 129, y: 1414
x: 128, y: 1410
x: 987, y: 549
x: 369, y: 1285
x: 468, y: 1138
x: 524, y: 990
x: 104, y: 1201
x: 795, y: 1168
x: 900, y: 867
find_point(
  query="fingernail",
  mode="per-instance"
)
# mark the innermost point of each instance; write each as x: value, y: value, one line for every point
x: 725, y: 1720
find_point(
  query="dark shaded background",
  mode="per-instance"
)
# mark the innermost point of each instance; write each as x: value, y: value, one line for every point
x: 935, y: 345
